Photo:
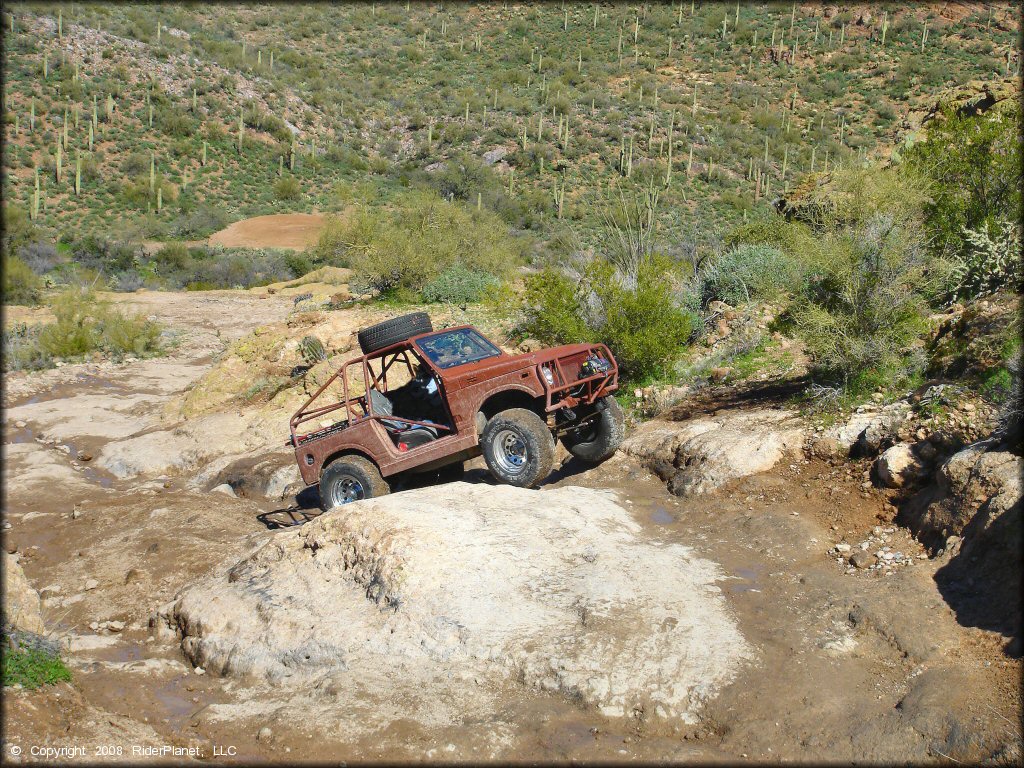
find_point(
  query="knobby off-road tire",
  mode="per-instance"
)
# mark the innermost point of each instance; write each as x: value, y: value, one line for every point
x: 518, y: 447
x: 603, y: 435
x: 351, y: 478
x: 393, y: 331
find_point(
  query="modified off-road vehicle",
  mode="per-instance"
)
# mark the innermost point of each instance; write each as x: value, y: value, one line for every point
x: 420, y: 400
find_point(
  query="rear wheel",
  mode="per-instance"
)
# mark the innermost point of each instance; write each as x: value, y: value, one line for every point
x: 351, y: 478
x: 602, y: 436
x: 518, y: 447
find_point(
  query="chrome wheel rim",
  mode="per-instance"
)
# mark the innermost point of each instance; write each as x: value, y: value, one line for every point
x: 347, y: 491
x: 510, y: 451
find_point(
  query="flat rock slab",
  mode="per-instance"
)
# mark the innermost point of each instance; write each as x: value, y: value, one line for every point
x: 699, y: 455
x: 556, y: 589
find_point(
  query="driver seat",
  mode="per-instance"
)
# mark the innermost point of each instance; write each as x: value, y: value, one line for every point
x: 412, y: 435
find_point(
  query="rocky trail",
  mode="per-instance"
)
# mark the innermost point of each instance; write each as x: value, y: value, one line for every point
x: 698, y: 597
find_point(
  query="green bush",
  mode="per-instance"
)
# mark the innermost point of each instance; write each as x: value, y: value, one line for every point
x: 750, y: 272
x: 863, y: 307
x: 85, y: 325
x: 287, y: 188
x: 641, y: 323
x: 458, y: 285
x: 418, y: 238
x: 32, y: 667
x: 974, y: 162
x: 21, y: 284
x: 21, y: 348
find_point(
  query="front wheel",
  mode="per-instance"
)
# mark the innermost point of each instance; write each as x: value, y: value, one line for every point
x: 602, y: 436
x: 518, y: 447
x: 351, y: 478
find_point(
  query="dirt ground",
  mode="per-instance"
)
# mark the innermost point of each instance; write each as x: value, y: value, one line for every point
x: 284, y: 230
x: 849, y: 667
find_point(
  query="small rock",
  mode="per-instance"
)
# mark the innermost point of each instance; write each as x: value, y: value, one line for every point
x: 115, y: 626
x: 94, y: 626
x: 76, y: 513
x: 862, y: 559
x: 843, y: 548
x: 91, y: 584
x: 265, y: 734
x: 199, y: 671
x: 20, y: 424
x: 899, y: 466
x: 226, y: 489
x: 85, y: 457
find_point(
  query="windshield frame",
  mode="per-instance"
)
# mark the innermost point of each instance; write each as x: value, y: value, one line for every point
x: 436, y: 361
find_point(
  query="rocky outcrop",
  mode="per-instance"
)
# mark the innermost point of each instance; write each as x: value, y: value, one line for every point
x: 972, y: 515
x: 972, y: 480
x: 21, y: 606
x: 556, y: 589
x: 699, y: 455
x: 869, y: 430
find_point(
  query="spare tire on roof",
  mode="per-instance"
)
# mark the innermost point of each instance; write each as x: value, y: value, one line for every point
x: 393, y: 331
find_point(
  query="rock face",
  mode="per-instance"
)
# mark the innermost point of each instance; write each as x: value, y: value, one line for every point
x: 21, y: 606
x: 975, y: 511
x: 555, y: 589
x: 699, y: 455
x: 866, y: 433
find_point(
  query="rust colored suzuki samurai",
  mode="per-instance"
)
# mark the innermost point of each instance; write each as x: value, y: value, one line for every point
x: 425, y: 401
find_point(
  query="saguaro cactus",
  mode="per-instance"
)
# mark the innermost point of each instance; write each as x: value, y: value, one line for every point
x: 78, y: 173
x: 204, y: 154
x: 668, y: 168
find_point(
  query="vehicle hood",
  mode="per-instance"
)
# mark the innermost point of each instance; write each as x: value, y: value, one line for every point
x: 497, y: 366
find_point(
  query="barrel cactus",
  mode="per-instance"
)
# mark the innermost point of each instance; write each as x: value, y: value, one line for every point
x: 312, y: 350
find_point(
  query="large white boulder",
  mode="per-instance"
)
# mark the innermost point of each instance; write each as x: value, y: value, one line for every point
x: 555, y: 589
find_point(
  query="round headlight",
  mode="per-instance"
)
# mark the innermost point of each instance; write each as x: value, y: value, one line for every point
x: 549, y: 377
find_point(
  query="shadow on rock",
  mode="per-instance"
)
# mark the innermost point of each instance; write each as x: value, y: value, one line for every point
x: 982, y: 581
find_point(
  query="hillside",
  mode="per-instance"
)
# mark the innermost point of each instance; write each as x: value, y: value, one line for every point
x: 169, y: 121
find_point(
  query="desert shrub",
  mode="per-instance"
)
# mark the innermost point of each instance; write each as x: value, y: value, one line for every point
x: 287, y: 188
x: 420, y: 236
x: 751, y: 272
x: 21, y: 284
x: 974, y: 162
x: 21, y: 348
x: 987, y: 263
x: 41, y: 256
x: 863, y: 306
x: 458, y: 285
x: 83, y: 325
x: 639, y: 319
x: 202, y: 221
x: 174, y: 123
x: 18, y: 229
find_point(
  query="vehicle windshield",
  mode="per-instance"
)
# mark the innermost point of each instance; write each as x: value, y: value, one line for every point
x: 457, y: 347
